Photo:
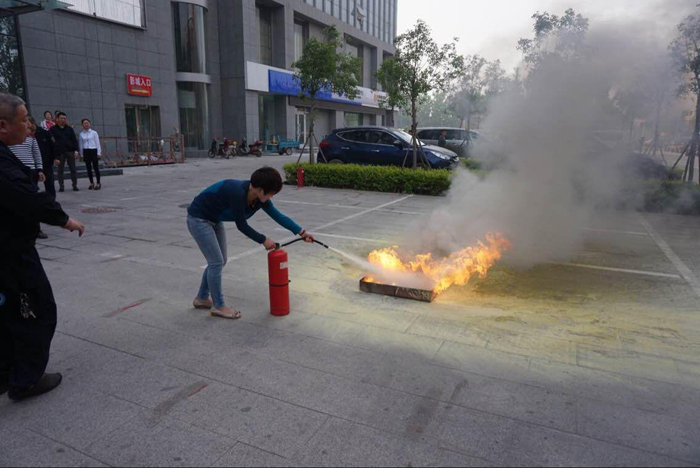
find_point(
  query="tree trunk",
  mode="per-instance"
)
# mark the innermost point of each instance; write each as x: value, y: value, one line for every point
x: 414, y: 132
x: 469, y: 122
x: 694, y: 142
x: 655, y: 144
x: 312, y: 121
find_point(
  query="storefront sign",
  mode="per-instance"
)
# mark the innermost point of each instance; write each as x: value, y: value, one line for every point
x: 140, y: 85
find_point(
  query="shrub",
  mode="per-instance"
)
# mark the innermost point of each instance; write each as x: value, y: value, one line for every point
x: 373, y: 178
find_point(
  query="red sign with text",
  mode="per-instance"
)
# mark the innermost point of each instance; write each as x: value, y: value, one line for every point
x: 140, y: 85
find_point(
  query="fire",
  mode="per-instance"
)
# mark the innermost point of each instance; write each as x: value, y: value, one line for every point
x: 458, y: 268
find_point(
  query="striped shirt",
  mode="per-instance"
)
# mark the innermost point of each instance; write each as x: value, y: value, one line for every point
x: 28, y: 153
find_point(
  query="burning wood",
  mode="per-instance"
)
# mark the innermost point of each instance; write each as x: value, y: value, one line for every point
x: 370, y: 285
x: 436, y: 274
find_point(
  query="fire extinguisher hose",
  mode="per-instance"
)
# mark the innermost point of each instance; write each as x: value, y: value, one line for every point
x: 278, y: 246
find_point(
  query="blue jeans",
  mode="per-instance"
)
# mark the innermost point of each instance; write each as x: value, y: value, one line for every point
x: 211, y: 239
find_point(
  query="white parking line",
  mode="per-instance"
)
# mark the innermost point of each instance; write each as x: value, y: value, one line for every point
x: 613, y: 231
x: 345, y: 207
x: 682, y: 268
x: 617, y: 270
x: 336, y: 236
x: 319, y: 228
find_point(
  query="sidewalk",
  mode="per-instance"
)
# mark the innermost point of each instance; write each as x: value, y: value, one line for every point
x: 593, y: 362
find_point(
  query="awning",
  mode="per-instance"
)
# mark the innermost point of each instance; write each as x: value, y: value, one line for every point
x: 19, y: 7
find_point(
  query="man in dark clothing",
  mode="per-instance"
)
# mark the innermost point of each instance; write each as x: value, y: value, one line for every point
x: 442, y: 141
x: 47, y: 146
x: 66, y: 148
x: 27, y: 306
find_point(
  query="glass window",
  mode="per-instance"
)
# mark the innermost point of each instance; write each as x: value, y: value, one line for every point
x: 11, y: 78
x: 122, y: 11
x: 193, y: 103
x: 299, y: 40
x: 266, y: 114
x: 190, y: 50
x: 143, y: 128
x: 352, y: 119
x: 387, y: 138
x: 265, y: 35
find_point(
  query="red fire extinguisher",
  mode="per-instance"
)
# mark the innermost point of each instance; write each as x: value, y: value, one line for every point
x: 277, y: 262
x: 300, y: 177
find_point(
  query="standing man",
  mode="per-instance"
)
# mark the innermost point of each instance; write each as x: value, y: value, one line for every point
x: 27, y: 307
x: 67, y: 149
x: 442, y: 141
x: 47, y: 147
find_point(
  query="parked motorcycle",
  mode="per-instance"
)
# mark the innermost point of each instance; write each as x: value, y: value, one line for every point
x: 256, y: 148
x: 225, y: 150
x: 242, y: 148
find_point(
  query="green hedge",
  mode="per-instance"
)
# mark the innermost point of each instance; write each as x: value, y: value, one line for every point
x: 669, y: 196
x: 373, y: 178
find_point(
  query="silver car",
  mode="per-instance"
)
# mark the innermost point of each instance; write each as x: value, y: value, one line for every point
x: 458, y: 140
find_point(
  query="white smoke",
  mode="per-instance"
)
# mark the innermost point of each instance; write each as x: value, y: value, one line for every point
x: 557, y: 166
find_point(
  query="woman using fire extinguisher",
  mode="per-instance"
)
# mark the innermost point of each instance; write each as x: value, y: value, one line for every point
x: 232, y: 201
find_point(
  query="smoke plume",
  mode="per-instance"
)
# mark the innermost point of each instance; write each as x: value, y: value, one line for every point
x: 559, y: 159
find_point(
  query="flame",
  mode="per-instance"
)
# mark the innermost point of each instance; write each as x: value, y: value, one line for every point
x: 458, y: 268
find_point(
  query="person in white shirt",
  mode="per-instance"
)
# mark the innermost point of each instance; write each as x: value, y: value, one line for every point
x: 91, y: 151
x: 48, y: 121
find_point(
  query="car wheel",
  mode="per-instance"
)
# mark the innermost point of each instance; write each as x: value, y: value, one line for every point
x: 336, y: 161
x: 290, y: 151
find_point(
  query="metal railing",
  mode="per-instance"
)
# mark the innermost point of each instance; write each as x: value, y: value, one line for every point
x: 125, y: 152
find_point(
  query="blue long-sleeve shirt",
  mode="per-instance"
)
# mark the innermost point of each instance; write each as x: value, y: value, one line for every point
x: 227, y: 201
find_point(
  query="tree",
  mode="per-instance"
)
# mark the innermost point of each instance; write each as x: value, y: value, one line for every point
x: 324, y: 68
x: 560, y: 37
x: 419, y: 68
x: 479, y: 81
x: 11, y: 80
x: 685, y: 50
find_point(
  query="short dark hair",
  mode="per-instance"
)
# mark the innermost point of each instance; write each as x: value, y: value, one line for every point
x: 59, y: 114
x: 82, y: 121
x: 268, y: 179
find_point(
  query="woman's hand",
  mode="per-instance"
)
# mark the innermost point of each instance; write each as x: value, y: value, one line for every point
x: 42, y: 177
x: 306, y: 236
x: 269, y: 244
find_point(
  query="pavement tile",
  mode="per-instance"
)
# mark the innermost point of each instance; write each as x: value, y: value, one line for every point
x: 483, y: 361
x: 343, y: 443
x: 22, y: 447
x: 243, y: 455
x: 254, y: 419
x: 652, y: 432
x: 150, y: 441
x: 628, y: 363
x: 72, y: 414
x: 387, y: 341
x: 448, y: 330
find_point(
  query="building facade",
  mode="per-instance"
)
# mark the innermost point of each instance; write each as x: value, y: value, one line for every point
x: 142, y: 69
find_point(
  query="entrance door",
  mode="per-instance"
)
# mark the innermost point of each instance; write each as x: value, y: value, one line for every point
x: 143, y: 128
x: 302, y: 126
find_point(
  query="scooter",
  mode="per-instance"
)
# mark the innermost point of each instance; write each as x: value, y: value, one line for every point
x: 242, y: 149
x: 217, y: 149
x: 256, y: 148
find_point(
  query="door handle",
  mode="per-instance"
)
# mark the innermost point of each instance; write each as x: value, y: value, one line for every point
x: 345, y: 148
x: 375, y: 151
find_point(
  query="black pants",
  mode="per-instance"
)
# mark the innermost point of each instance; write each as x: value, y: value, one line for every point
x: 27, y: 318
x: 70, y: 157
x: 92, y: 163
x: 49, y: 183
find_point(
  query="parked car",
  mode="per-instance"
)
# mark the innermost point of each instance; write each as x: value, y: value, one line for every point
x: 459, y: 140
x: 379, y: 146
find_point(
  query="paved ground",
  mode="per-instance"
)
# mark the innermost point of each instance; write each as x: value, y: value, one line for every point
x: 560, y: 365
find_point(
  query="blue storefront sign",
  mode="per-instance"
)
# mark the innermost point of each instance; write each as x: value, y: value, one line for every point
x: 285, y: 83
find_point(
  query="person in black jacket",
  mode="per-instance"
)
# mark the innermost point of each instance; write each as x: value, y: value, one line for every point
x: 27, y: 306
x: 67, y: 149
x: 47, y: 147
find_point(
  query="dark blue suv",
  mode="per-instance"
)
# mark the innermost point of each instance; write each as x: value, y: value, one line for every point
x: 379, y: 146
